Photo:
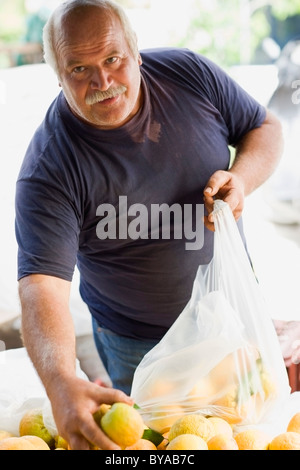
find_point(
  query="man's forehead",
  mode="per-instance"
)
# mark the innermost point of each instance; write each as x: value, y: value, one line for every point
x: 90, y: 34
x: 85, y: 15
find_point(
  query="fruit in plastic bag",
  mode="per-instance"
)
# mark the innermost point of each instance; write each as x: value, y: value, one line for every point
x: 192, y: 424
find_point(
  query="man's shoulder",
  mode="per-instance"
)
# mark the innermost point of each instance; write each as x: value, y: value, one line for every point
x: 183, y: 62
x: 163, y: 54
x: 52, y: 124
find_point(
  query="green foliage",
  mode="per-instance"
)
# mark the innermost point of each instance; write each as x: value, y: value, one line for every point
x: 12, y: 20
x: 229, y: 31
x: 282, y: 10
x: 153, y: 436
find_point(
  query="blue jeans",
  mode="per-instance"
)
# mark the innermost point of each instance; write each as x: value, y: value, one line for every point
x: 120, y: 355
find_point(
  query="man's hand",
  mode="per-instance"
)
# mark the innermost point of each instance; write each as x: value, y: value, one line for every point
x: 288, y: 333
x: 257, y: 155
x: 228, y: 187
x: 74, y: 401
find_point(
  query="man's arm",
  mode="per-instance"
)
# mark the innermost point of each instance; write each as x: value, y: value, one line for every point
x: 257, y: 155
x: 49, y: 337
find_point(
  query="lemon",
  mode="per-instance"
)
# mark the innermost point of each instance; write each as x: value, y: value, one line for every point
x: 220, y: 425
x: 192, y: 424
x: 32, y: 424
x: 294, y: 423
x: 252, y: 439
x: 123, y: 424
x: 286, y: 441
x: 187, y: 442
x: 222, y: 442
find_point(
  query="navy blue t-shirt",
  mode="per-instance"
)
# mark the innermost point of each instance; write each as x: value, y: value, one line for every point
x: 72, y: 172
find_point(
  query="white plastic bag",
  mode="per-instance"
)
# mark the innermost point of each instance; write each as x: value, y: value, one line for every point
x: 21, y: 390
x: 221, y: 356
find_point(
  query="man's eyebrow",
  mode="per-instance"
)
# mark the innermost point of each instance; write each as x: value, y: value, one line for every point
x: 72, y: 62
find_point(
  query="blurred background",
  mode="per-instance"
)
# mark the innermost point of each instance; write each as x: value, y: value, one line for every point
x: 256, y: 41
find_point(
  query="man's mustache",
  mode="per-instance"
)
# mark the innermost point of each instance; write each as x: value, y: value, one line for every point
x: 105, y: 95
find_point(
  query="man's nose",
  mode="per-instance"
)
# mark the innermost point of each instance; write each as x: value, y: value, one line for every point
x: 101, y: 80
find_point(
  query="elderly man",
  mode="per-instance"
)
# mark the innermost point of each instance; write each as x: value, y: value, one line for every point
x: 130, y: 132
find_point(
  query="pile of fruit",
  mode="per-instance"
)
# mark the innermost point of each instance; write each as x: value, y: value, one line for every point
x: 124, y: 425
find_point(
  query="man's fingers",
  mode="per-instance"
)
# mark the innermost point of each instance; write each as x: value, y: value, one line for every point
x: 109, y: 396
x: 216, y: 182
x: 94, y: 435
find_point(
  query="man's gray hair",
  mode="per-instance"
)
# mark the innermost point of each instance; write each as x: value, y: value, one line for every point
x: 66, y: 8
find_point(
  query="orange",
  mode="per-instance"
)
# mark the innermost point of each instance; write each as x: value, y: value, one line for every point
x: 16, y: 443
x: 220, y: 426
x: 32, y: 424
x: 60, y: 443
x: 192, y: 424
x: 37, y: 442
x: 286, y: 441
x: 123, y: 424
x: 228, y: 404
x: 5, y: 434
x: 23, y: 443
x: 202, y: 389
x: 142, y: 444
x: 165, y: 442
x: 252, y: 439
x: 187, y: 442
x: 294, y: 423
x: 222, y: 442
x: 164, y: 417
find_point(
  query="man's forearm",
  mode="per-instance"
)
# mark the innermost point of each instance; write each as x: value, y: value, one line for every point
x: 47, y: 327
x: 258, y: 154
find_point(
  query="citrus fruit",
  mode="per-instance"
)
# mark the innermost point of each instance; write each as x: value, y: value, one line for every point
x: 16, y: 443
x: 5, y: 434
x: 161, y: 388
x: 37, y: 442
x: 123, y: 424
x: 228, y: 404
x: 32, y: 424
x: 294, y: 423
x: 222, y: 442
x: 165, y: 442
x: 162, y: 419
x: 23, y: 443
x: 286, y: 441
x: 192, y: 424
x: 103, y: 408
x: 60, y: 443
x: 268, y: 384
x: 203, y: 388
x: 142, y: 444
x: 187, y: 442
x: 220, y: 426
x: 252, y: 439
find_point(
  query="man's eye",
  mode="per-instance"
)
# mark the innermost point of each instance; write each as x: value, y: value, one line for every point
x: 112, y: 60
x: 79, y: 69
